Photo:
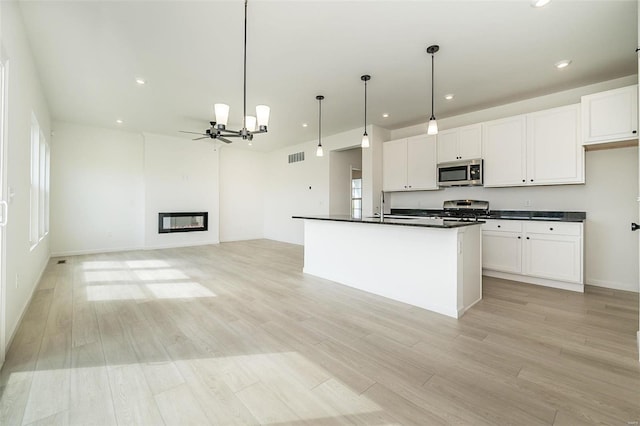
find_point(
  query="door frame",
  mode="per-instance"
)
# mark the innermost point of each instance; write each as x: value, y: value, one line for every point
x: 4, y: 101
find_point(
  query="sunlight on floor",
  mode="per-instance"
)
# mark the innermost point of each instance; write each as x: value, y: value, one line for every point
x: 181, y: 290
x: 273, y: 387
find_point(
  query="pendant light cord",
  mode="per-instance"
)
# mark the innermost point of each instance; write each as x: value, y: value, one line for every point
x: 319, y: 122
x: 432, y: 94
x: 365, y: 107
x: 244, y: 88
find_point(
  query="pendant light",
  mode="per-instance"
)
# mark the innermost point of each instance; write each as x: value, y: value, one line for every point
x: 365, y: 136
x: 433, y: 125
x: 319, y: 151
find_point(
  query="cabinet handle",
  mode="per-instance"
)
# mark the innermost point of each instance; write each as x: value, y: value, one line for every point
x: 527, y: 238
x: 519, y: 237
x: 499, y: 226
x: 550, y: 229
x: 634, y: 132
x: 523, y: 180
x: 531, y: 180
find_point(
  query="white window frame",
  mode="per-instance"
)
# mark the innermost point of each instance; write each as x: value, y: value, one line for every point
x: 39, y: 189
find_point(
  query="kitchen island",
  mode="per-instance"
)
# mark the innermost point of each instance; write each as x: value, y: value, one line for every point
x: 435, y: 264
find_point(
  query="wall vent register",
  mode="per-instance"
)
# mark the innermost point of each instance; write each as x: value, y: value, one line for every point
x: 183, y: 222
x: 298, y: 156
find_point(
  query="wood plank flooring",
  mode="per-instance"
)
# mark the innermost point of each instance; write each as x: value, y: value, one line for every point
x: 236, y: 334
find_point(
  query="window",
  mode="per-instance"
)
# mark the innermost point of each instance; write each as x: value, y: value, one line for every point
x: 40, y: 160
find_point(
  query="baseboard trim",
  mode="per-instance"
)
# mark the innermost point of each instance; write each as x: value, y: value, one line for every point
x: 612, y: 285
x: 113, y: 250
x: 534, y: 280
x: 93, y: 251
x: 168, y: 246
x: 12, y: 335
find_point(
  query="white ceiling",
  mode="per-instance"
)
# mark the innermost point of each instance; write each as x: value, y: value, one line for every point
x: 190, y: 52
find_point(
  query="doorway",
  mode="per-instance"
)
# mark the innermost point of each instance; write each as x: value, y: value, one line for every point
x: 342, y: 164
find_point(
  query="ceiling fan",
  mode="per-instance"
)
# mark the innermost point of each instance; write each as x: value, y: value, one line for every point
x: 211, y: 133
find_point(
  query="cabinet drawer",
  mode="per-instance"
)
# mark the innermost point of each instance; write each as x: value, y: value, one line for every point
x: 502, y: 225
x: 554, y: 228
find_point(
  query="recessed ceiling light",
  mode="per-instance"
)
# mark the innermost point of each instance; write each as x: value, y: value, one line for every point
x: 141, y: 81
x: 118, y: 121
x: 305, y: 125
x: 385, y: 115
x: 449, y: 96
x: 539, y: 3
x: 563, y: 64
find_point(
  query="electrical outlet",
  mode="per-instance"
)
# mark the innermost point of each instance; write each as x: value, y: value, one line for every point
x: 17, y: 280
x: 527, y: 203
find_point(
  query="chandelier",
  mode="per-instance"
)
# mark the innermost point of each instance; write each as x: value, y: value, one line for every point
x: 251, y: 125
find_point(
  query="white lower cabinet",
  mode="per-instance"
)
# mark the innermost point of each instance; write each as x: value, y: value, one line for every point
x: 538, y: 252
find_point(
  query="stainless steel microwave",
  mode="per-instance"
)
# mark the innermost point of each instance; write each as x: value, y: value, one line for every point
x: 460, y: 173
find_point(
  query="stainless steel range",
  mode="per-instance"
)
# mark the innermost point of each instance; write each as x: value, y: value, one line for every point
x: 469, y: 210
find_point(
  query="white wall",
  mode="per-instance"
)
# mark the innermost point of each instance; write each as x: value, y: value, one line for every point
x: 108, y: 186
x: 180, y: 176
x: 303, y: 188
x: 340, y: 165
x: 242, y: 191
x: 97, y: 189
x: 22, y: 265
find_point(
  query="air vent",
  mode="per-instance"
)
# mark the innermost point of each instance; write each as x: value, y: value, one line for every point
x: 298, y: 156
x: 61, y: 262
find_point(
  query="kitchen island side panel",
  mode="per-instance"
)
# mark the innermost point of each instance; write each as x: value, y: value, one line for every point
x: 418, y: 266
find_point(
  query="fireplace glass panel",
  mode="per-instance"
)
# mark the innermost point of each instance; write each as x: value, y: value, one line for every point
x: 182, y: 222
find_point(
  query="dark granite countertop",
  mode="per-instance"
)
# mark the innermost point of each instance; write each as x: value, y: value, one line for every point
x: 406, y: 221
x: 557, y: 216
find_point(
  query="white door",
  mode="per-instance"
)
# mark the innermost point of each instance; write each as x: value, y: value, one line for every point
x: 4, y: 208
x: 555, y: 257
x: 502, y: 251
x: 470, y: 142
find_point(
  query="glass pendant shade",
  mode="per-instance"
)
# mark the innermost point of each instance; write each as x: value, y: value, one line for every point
x: 250, y: 123
x: 365, y: 141
x: 262, y: 112
x: 433, y: 127
x: 222, y: 113
x: 319, y: 151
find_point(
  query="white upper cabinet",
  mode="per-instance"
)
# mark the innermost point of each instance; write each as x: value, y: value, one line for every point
x: 541, y: 148
x: 610, y: 116
x: 503, y: 151
x: 409, y: 164
x: 462, y: 143
x: 554, y: 150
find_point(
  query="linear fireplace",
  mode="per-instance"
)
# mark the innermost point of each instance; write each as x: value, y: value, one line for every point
x: 183, y: 222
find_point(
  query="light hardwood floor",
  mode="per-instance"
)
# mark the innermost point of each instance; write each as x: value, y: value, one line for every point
x: 236, y: 334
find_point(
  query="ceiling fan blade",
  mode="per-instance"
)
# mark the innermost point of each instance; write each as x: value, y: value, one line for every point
x: 193, y: 133
x: 204, y: 137
x: 223, y: 139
